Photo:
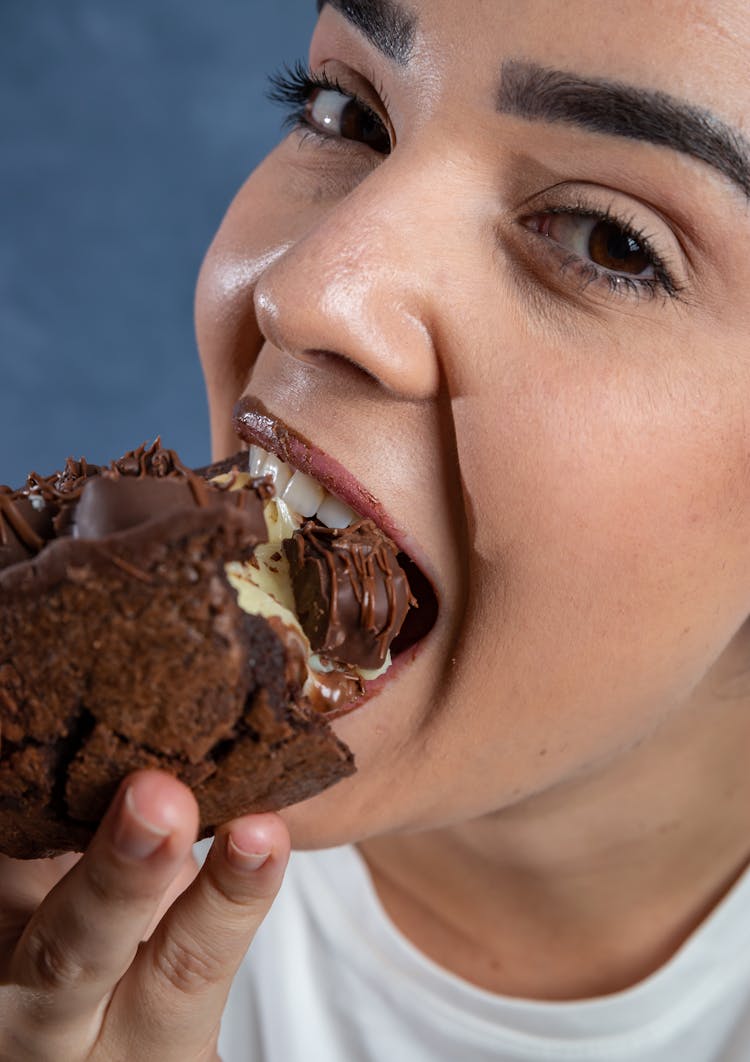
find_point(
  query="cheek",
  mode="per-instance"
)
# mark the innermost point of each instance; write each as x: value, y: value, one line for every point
x: 260, y: 225
x: 611, y: 538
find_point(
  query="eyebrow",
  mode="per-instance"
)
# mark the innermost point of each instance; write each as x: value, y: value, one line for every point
x: 387, y: 25
x: 539, y: 93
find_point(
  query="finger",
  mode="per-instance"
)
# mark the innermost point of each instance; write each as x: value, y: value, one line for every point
x: 180, y: 981
x: 84, y: 936
x: 23, y: 885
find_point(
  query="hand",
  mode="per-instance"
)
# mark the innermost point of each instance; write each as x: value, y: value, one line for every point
x: 78, y: 978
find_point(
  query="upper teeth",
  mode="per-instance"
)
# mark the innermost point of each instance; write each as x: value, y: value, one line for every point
x: 303, y: 494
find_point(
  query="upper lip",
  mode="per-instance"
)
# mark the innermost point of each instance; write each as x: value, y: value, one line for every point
x: 255, y: 424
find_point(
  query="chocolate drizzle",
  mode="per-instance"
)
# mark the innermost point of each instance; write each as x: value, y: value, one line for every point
x: 24, y: 527
x: 350, y: 592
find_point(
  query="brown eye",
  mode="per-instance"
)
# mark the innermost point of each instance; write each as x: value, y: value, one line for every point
x: 611, y: 248
x: 601, y: 241
x: 338, y: 115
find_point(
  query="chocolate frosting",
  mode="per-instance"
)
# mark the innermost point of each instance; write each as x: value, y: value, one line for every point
x: 90, y: 502
x: 350, y: 592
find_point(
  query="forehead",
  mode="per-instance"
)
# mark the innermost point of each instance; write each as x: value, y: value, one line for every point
x: 698, y: 49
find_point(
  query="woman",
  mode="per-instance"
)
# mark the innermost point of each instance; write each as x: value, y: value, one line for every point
x: 493, y: 274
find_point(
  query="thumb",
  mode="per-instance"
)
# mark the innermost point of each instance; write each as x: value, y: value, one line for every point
x: 177, y: 988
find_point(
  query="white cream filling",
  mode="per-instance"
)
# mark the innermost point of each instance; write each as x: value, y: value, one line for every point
x: 264, y: 585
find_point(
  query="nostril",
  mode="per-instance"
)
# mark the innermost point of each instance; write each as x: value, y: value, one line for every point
x: 332, y: 361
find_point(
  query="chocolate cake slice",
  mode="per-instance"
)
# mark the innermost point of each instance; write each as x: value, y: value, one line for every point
x: 122, y: 645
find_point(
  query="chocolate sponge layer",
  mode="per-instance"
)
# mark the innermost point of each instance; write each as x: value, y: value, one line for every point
x: 131, y: 651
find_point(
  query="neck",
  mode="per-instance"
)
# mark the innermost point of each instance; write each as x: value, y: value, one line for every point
x: 588, y: 888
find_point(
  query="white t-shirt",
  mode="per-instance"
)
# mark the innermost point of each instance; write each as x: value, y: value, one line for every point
x: 330, y: 979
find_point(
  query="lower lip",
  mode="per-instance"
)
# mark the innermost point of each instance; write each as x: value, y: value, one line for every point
x: 376, y: 686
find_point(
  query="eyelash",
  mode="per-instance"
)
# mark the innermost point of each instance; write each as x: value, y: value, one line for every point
x: 293, y: 86
x: 618, y: 284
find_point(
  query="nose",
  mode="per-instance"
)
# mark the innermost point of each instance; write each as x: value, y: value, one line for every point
x: 360, y: 285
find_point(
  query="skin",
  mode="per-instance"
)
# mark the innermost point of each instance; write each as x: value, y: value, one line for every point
x: 553, y: 793
x: 568, y: 463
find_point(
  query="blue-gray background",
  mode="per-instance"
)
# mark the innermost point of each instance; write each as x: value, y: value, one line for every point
x: 125, y: 128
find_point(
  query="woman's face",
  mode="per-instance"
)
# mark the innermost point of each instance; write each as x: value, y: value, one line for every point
x: 512, y: 307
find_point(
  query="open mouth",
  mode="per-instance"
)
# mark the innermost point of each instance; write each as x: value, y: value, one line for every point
x: 332, y: 578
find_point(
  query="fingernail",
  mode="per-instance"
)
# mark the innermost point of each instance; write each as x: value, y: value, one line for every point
x: 243, y: 860
x: 134, y: 836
